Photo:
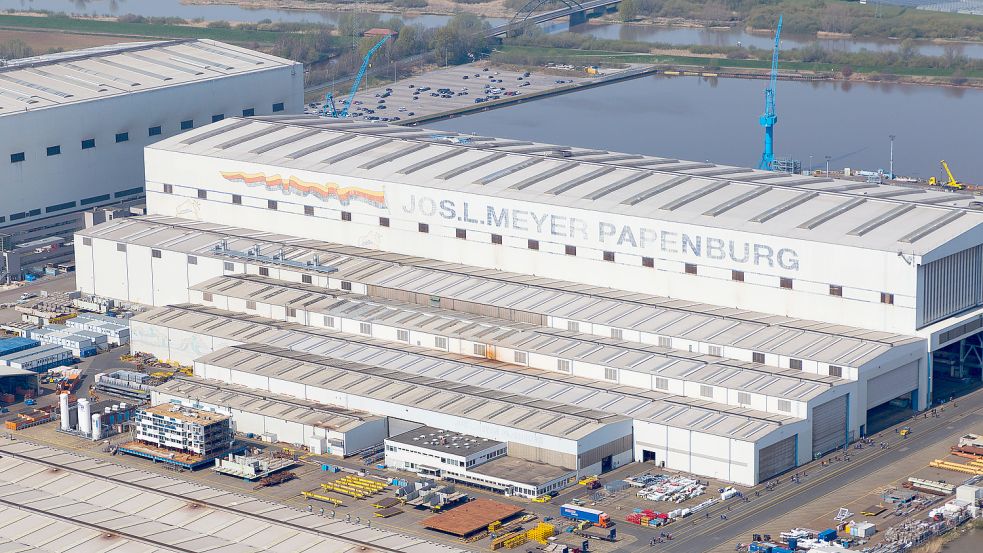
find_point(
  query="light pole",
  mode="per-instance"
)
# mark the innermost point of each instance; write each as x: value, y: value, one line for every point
x: 810, y: 164
x: 891, y: 169
x: 827, y: 165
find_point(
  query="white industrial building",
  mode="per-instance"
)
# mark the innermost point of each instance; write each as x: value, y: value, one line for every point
x: 175, y: 427
x: 284, y: 418
x: 116, y: 330
x: 74, y: 125
x: 742, y: 322
x: 82, y: 343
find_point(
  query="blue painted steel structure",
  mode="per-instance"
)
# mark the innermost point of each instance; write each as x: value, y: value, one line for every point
x: 769, y: 119
x: 329, y: 98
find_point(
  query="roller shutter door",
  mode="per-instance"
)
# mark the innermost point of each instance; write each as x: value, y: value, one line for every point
x: 829, y: 426
x: 776, y: 458
x: 890, y: 385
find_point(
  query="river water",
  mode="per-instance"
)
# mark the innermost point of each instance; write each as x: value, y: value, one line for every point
x: 717, y: 120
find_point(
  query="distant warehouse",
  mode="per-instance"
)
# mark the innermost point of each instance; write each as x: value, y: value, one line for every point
x: 73, y: 126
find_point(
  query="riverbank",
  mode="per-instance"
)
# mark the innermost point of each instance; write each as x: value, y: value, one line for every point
x: 491, y: 8
x: 111, y: 26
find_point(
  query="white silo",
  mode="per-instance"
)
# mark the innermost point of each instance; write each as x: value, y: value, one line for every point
x: 96, y: 426
x: 84, y: 416
x: 66, y: 414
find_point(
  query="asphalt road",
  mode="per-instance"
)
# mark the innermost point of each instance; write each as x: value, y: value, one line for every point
x: 701, y: 534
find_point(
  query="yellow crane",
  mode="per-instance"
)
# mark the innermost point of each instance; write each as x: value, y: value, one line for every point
x: 951, y: 183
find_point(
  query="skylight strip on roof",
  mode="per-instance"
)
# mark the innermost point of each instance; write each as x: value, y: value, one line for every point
x: 215, y: 132
x: 356, y: 150
x: 210, y: 64
x: 783, y: 207
x: 736, y: 201
x: 245, y: 138
x: 88, y: 71
x: 132, y: 69
x: 472, y: 165
x: 27, y: 84
x: 893, y: 193
x: 832, y: 213
x: 880, y: 220
x: 658, y: 189
x: 320, y: 146
x: 650, y: 161
x: 284, y: 141
x: 849, y: 187
x: 552, y: 172
x: 946, y: 197
x: 162, y: 63
x: 430, y: 161
x: 614, y: 157
x: 20, y: 97
x: 618, y: 185
x: 690, y: 166
x: 226, y: 53
x: 393, y: 156
x: 807, y: 180
x: 723, y: 171
x: 509, y: 170
x: 540, y: 148
x: 577, y: 181
x: 694, y: 195
x: 931, y: 227
x: 81, y: 83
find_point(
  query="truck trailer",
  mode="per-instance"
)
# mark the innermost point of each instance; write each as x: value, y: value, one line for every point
x: 595, y: 517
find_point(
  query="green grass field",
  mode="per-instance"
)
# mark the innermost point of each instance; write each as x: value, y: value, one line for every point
x: 92, y: 26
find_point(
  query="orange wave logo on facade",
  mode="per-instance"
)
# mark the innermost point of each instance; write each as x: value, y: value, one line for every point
x: 294, y: 185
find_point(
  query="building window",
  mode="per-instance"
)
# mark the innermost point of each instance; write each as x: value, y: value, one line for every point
x: 608, y: 256
x: 795, y: 364
x: 121, y: 247
x: 202, y: 194
x: 122, y: 137
x: 887, y: 298
x: 383, y: 221
x: 785, y: 283
x: 617, y: 334
x: 610, y: 374
x: 665, y: 342
x: 461, y: 233
x: 206, y: 296
x: 328, y: 321
x: 573, y: 326
x: 690, y: 269
x: 403, y: 335
x: 346, y: 285
x: 218, y: 117
x: 277, y: 107
x: 306, y: 279
x: 706, y: 391
x: 497, y: 239
x: 648, y: 262
x: 154, y: 131
x: 520, y: 357
x: 229, y: 266
x: 168, y: 189
x: 481, y: 350
x: 88, y: 143
x: 785, y: 405
x: 737, y: 276
x: 423, y: 227
x: 836, y: 290
x: 271, y: 204
x: 440, y: 342
x: 563, y: 365
x: 533, y: 244
x: 291, y: 312
x: 570, y: 250
x: 192, y: 260
x: 346, y: 216
x: 17, y: 158
x: 86, y: 241
x: 743, y: 398
x: 835, y: 371
x: 661, y: 383
x: 365, y: 328
x: 53, y: 150
x: 185, y: 125
x: 715, y: 350
x: 758, y: 357
x: 155, y: 254
x: 250, y: 305
x: 264, y: 271
x: 309, y: 210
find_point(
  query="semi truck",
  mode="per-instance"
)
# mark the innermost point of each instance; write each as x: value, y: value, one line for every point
x: 595, y: 517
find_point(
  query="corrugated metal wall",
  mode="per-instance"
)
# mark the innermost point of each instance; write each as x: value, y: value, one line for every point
x: 951, y: 284
x: 540, y: 455
x: 829, y: 425
x: 776, y: 458
x: 614, y: 447
x: 457, y: 305
x: 892, y: 384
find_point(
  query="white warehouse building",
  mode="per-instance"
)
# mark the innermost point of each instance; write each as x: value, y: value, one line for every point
x: 773, y: 317
x: 74, y: 125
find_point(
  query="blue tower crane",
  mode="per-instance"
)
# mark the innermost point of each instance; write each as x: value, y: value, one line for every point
x: 329, y: 106
x: 769, y: 118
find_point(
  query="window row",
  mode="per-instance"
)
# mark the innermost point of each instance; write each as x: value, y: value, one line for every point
x: 72, y: 204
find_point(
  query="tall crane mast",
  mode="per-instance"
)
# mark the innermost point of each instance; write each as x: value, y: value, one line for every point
x: 769, y: 118
x: 329, y: 104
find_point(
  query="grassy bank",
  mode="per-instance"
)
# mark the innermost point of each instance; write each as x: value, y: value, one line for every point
x: 150, y: 30
x: 527, y: 54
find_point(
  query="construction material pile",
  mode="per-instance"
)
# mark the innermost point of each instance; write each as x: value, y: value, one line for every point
x: 672, y: 489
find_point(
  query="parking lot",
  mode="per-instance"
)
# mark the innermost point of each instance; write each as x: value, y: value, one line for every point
x: 449, y: 89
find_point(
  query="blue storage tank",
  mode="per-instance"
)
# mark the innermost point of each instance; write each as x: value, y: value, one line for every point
x: 14, y: 345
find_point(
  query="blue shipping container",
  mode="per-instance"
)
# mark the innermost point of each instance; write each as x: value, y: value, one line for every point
x: 14, y: 345
x: 581, y: 513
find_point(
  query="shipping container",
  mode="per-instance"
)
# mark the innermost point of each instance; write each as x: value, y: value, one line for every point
x: 598, y: 518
